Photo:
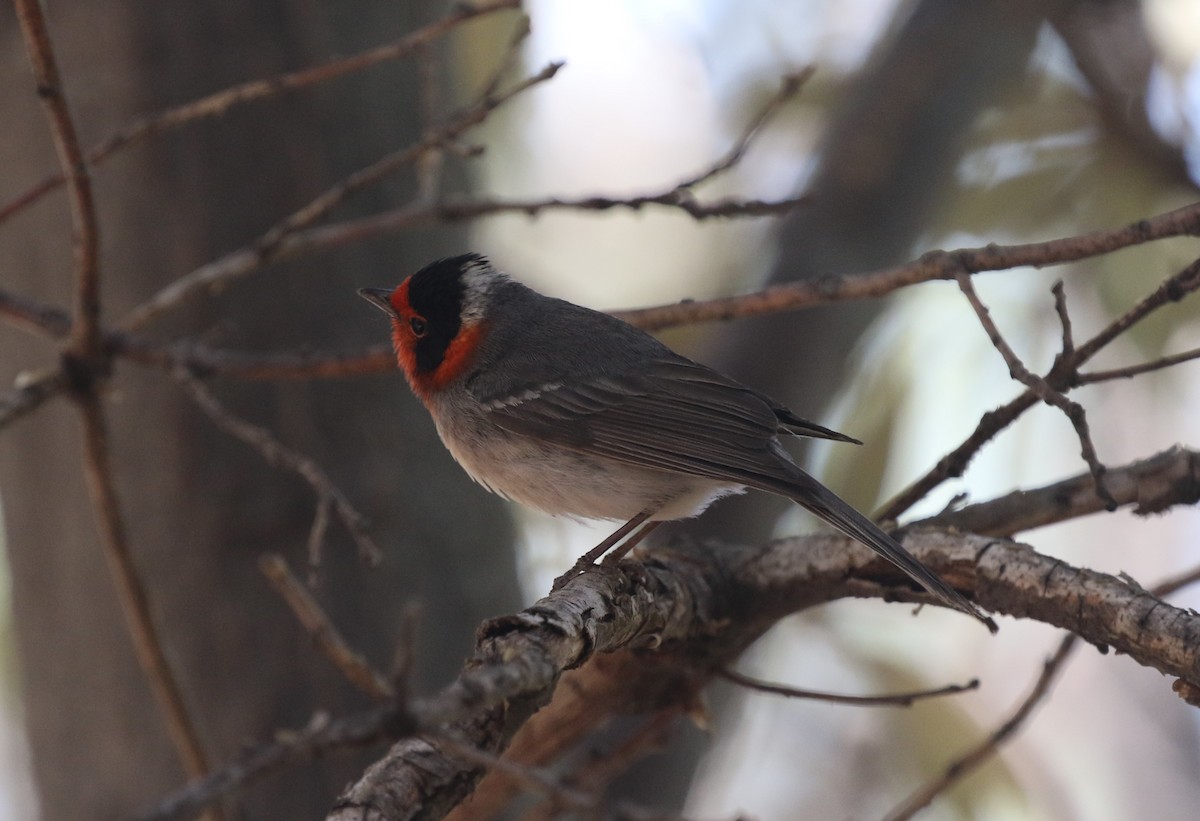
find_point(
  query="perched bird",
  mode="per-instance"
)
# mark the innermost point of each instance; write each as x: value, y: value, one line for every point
x: 574, y: 412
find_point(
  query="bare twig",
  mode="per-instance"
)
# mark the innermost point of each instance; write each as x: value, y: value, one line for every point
x: 85, y: 341
x: 511, y: 58
x: 131, y: 591
x: 979, y: 754
x: 1042, y: 388
x: 85, y: 350
x: 1173, y: 289
x: 406, y: 650
x: 789, y: 86
x: 30, y: 392
x: 316, y: 538
x: 271, y: 245
x: 1152, y: 485
x: 221, y: 102
x: 982, y: 752
x: 935, y: 265
x: 1062, y: 376
x: 357, y: 670
x: 279, y: 455
x: 1129, y: 371
x: 318, y: 738
x: 418, y: 214
x: 1064, y: 318
x: 650, y: 737
x: 532, y: 777
x: 893, y: 700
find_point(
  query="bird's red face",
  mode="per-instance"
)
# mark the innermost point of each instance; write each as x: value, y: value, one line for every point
x: 434, y: 343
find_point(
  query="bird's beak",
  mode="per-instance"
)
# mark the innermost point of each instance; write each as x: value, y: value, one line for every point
x: 379, y: 297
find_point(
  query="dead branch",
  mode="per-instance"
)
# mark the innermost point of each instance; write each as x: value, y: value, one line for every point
x: 890, y: 700
x: 1062, y: 376
x: 29, y: 394
x: 683, y: 608
x: 131, y: 591
x: 987, y: 748
x: 934, y: 265
x: 85, y: 340
x: 271, y: 245
x: 975, y: 757
x: 1044, y: 390
x: 321, y: 736
x: 789, y: 87
x: 221, y: 102
x: 1152, y: 485
x: 279, y: 455
x: 357, y: 670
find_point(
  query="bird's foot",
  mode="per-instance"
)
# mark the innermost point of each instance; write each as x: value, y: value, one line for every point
x: 576, y: 569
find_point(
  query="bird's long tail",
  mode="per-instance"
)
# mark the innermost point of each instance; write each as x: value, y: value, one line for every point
x: 815, y: 497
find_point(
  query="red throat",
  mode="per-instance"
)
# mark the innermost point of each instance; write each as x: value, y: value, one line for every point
x: 457, y: 359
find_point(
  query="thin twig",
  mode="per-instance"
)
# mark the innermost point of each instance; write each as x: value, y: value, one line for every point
x: 322, y: 735
x: 934, y: 265
x: 1129, y: 371
x: 982, y: 752
x: 892, y: 700
x: 1172, y: 289
x: 596, y: 775
x: 29, y: 394
x: 279, y: 455
x: 532, y: 777
x: 978, y: 755
x: 316, y: 538
x: 1041, y: 387
x: 789, y: 86
x: 1064, y: 318
x: 511, y: 58
x: 427, y: 168
x: 1062, y: 377
x: 270, y: 246
x: 85, y: 340
x: 1153, y: 485
x: 406, y: 650
x: 135, y: 602
x: 221, y: 102
x: 357, y: 670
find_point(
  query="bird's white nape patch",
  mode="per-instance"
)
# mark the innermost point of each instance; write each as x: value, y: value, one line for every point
x: 478, y: 279
x: 524, y: 396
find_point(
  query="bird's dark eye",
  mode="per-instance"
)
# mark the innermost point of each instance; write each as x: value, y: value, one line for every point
x: 419, y: 326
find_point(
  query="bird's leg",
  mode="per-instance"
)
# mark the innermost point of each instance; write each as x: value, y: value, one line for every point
x: 588, y: 559
x: 621, y: 551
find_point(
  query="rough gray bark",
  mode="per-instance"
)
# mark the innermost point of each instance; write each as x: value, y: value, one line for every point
x: 698, y: 609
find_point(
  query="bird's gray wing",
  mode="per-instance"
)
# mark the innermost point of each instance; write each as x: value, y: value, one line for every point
x: 672, y: 414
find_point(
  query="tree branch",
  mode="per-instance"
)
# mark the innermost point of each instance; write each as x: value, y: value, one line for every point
x: 131, y: 592
x: 85, y: 341
x: 1164, y: 480
x: 221, y: 102
x: 1062, y: 376
x: 279, y: 455
x: 683, y: 608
